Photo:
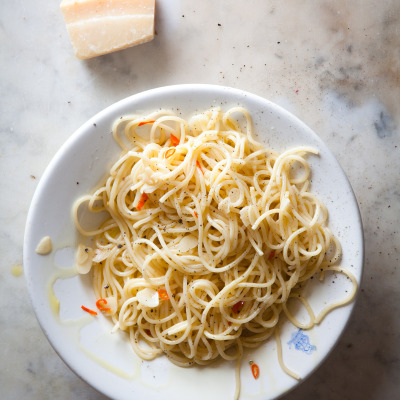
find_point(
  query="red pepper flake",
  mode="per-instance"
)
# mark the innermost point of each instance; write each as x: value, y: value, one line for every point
x: 229, y: 323
x: 88, y: 310
x: 255, y: 370
x: 238, y: 307
x: 195, y: 214
x: 100, y: 305
x: 199, y: 166
x: 271, y: 255
x: 162, y: 293
x: 148, y: 332
x: 142, y: 201
x: 174, y: 140
x: 169, y: 153
x: 146, y: 122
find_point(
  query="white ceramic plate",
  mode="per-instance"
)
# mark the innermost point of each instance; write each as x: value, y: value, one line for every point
x: 105, y: 360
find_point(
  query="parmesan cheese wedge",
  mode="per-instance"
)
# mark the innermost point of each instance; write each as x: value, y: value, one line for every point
x: 97, y: 27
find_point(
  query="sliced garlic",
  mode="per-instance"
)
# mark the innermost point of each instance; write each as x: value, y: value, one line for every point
x: 249, y: 215
x: 84, y: 259
x: 187, y: 243
x: 148, y: 297
x: 45, y: 246
x: 244, y: 215
x: 111, y: 304
x: 100, y: 255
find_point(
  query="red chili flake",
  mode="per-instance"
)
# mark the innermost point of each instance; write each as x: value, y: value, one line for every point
x: 271, y: 255
x: 146, y: 122
x: 195, y: 214
x: 169, y: 153
x: 174, y: 140
x: 254, y: 369
x: 88, y: 310
x: 199, y: 166
x: 142, y: 201
x: 229, y: 323
x: 238, y: 307
x: 162, y: 294
x: 148, y: 332
x: 100, y: 305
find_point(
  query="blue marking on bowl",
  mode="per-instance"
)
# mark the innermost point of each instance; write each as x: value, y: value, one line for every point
x: 301, y: 342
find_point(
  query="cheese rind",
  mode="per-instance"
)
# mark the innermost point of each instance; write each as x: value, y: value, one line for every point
x: 79, y: 10
x: 97, y: 27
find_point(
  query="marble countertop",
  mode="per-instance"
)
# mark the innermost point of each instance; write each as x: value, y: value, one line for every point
x: 336, y: 65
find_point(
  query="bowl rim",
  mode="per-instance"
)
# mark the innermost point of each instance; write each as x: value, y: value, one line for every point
x: 105, y: 114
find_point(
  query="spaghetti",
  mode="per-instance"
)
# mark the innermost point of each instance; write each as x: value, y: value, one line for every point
x: 209, y: 235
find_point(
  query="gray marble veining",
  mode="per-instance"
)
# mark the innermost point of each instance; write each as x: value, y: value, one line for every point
x: 336, y: 65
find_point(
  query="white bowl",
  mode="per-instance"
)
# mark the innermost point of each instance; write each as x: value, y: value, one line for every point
x: 105, y: 360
